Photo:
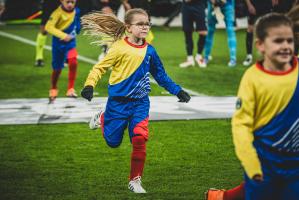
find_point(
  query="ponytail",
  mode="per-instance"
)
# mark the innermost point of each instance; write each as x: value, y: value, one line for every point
x: 104, y: 28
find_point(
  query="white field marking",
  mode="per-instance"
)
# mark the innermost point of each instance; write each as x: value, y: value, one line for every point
x: 81, y: 58
x: 70, y: 110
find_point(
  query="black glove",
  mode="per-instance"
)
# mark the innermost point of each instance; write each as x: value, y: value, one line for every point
x: 183, y: 96
x: 87, y: 92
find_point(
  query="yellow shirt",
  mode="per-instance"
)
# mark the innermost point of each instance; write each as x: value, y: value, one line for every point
x: 59, y: 21
x: 124, y: 59
x: 261, y: 97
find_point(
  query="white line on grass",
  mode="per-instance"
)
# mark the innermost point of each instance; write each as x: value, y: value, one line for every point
x: 81, y: 58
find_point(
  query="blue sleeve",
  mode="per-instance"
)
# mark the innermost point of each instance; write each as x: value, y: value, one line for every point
x: 158, y: 72
x: 78, y: 21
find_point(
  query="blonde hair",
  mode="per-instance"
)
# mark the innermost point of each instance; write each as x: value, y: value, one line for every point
x: 107, y: 28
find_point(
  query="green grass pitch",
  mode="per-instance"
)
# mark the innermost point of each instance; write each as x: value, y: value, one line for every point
x: 69, y: 161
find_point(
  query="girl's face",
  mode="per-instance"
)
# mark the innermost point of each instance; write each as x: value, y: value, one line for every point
x: 139, y: 26
x: 278, y: 46
x: 69, y: 5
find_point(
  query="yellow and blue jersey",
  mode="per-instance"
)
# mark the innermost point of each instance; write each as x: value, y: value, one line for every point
x: 131, y: 68
x: 265, y: 125
x: 62, y: 23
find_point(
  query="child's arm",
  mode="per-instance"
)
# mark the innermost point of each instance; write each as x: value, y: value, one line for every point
x: 242, y: 128
x: 97, y: 71
x: 158, y: 72
x: 250, y: 7
x: 51, y: 26
x: 78, y: 21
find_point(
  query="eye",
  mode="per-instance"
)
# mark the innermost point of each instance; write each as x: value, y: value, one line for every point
x: 290, y: 40
x: 281, y: 40
x: 278, y: 40
x: 143, y: 24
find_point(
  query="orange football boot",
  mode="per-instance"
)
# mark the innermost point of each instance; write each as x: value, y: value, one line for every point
x: 214, y: 194
x: 52, y: 95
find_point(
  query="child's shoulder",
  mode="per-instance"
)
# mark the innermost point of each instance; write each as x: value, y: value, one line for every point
x: 58, y: 9
x: 77, y: 10
x: 252, y: 71
x: 150, y: 48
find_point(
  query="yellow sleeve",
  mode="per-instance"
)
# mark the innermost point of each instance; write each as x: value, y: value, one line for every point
x: 51, y: 25
x: 242, y: 127
x: 100, y: 68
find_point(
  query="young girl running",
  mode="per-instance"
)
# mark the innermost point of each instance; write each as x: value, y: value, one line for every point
x: 265, y: 125
x: 132, y: 61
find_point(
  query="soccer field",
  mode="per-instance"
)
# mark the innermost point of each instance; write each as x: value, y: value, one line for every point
x: 69, y: 161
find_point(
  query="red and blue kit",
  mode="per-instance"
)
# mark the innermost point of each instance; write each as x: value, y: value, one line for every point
x: 60, y: 24
x: 266, y: 132
x: 129, y: 85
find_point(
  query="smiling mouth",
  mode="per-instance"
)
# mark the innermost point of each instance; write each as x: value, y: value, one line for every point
x: 284, y: 53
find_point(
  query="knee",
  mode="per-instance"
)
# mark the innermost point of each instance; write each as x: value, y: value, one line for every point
x: 202, y: 33
x: 113, y: 144
x: 250, y: 28
x: 72, y: 61
x: 138, y: 143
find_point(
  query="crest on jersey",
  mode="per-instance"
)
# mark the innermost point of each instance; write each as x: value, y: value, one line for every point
x: 238, y: 103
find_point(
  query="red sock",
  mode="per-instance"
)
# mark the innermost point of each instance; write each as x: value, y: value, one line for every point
x: 237, y: 193
x: 54, y: 78
x: 138, y: 156
x: 72, y: 71
x: 102, y: 123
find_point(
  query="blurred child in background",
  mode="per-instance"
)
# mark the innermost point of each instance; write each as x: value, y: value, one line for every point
x: 132, y: 61
x: 64, y: 25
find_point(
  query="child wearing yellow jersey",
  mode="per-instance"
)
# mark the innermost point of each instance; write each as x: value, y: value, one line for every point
x: 64, y: 25
x: 265, y: 125
x: 132, y: 60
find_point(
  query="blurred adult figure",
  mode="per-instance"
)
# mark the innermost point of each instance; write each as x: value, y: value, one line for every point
x: 193, y: 11
x: 221, y: 10
x: 256, y: 9
x: 108, y: 7
x: 2, y: 6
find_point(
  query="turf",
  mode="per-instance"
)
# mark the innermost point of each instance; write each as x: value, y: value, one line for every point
x: 72, y: 162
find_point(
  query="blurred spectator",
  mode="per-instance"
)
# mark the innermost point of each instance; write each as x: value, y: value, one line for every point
x: 193, y: 11
x: 293, y: 14
x: 256, y: 8
x: 221, y: 10
x: 108, y: 7
x: 283, y: 6
x: 175, y: 12
x: 144, y: 4
x: 2, y: 6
